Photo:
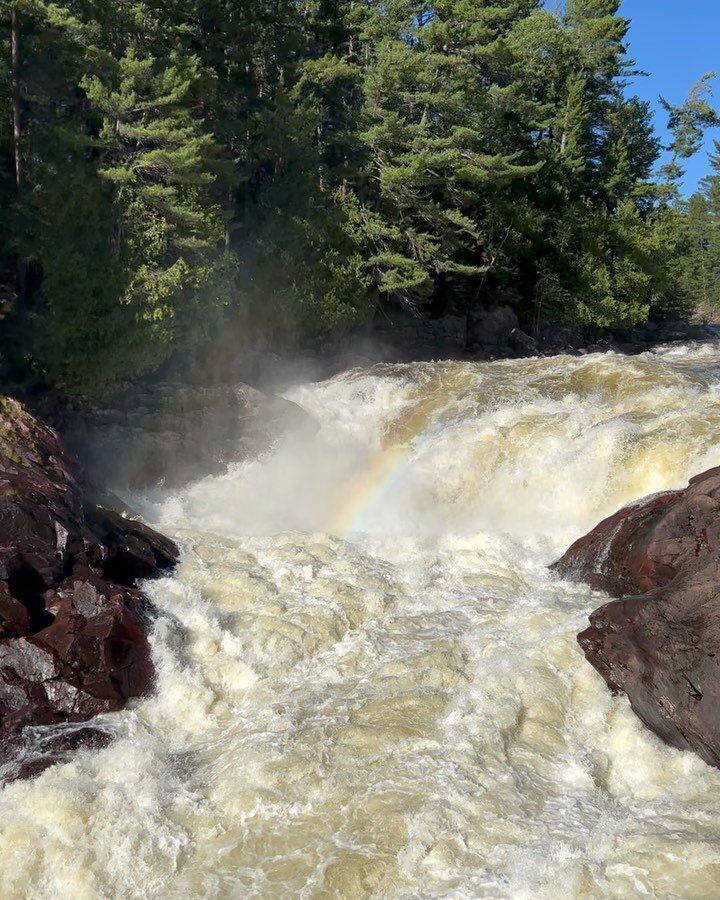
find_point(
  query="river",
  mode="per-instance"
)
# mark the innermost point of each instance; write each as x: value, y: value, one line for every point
x: 368, y: 682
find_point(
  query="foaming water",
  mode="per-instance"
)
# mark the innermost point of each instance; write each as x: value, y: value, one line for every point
x: 368, y: 682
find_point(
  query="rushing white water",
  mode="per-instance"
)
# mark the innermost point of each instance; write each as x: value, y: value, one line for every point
x: 402, y: 710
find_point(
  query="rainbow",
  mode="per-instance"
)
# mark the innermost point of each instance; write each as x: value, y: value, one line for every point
x: 383, y: 470
x: 386, y: 466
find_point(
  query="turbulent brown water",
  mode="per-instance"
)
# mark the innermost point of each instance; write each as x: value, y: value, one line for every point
x: 398, y: 710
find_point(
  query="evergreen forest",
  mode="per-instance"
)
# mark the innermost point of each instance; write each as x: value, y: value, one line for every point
x: 171, y: 168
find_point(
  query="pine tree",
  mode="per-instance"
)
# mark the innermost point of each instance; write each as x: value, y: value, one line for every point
x: 687, y: 124
x: 434, y: 142
x: 157, y: 157
x: 455, y: 153
x: 700, y: 264
x: 111, y: 136
x: 8, y: 182
x: 49, y: 153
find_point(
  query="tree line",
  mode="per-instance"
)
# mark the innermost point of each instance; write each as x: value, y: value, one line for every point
x: 168, y: 164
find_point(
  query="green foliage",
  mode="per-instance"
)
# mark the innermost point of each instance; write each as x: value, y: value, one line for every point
x: 695, y: 229
x: 159, y: 161
x: 298, y: 164
x: 119, y: 238
x: 687, y: 124
x: 430, y: 162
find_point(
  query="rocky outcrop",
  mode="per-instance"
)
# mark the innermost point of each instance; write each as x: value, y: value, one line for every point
x: 73, y: 638
x: 522, y: 344
x: 404, y: 337
x: 171, y: 432
x: 495, y: 332
x: 491, y: 327
x: 660, y: 643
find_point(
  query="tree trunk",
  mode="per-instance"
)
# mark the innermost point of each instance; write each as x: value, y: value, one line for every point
x: 15, y: 93
x: 566, y: 126
x: 351, y: 42
x: 21, y: 264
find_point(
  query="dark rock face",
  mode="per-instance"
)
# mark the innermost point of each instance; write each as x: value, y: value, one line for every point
x: 73, y: 641
x: 489, y: 333
x: 522, y: 343
x: 491, y: 327
x: 172, y: 432
x: 660, y: 643
x: 561, y: 338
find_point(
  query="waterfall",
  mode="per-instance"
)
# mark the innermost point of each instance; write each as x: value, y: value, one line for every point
x: 368, y: 681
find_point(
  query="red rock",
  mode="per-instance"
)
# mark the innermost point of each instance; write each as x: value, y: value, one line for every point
x: 73, y: 636
x: 660, y: 643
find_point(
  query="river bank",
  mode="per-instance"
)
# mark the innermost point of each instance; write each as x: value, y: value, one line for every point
x: 73, y: 625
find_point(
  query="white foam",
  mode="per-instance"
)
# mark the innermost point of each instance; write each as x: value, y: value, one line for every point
x: 404, y: 713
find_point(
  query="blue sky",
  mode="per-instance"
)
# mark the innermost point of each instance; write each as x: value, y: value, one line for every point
x: 675, y: 43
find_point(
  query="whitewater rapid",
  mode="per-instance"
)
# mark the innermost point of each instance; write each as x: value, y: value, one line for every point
x: 368, y: 682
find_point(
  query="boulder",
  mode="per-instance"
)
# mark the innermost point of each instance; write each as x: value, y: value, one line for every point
x: 73, y: 636
x: 660, y: 642
x: 561, y: 339
x: 491, y: 327
x: 449, y: 332
x: 674, y: 330
x: 523, y: 344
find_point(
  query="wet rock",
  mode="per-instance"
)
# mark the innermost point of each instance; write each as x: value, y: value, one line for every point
x: 41, y: 746
x: 73, y: 637
x: 494, y: 351
x: 660, y: 642
x: 522, y: 344
x: 491, y: 327
x: 172, y: 432
x: 651, y: 334
x: 674, y: 330
x: 561, y: 339
x: 452, y: 331
x: 132, y: 550
x: 405, y: 336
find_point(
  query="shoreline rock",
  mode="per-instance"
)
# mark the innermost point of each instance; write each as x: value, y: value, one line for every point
x: 495, y: 333
x: 73, y: 635
x: 659, y: 643
x: 170, y: 432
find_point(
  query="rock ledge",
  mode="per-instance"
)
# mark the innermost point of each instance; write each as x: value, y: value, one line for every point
x: 73, y: 638
x: 660, y: 643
